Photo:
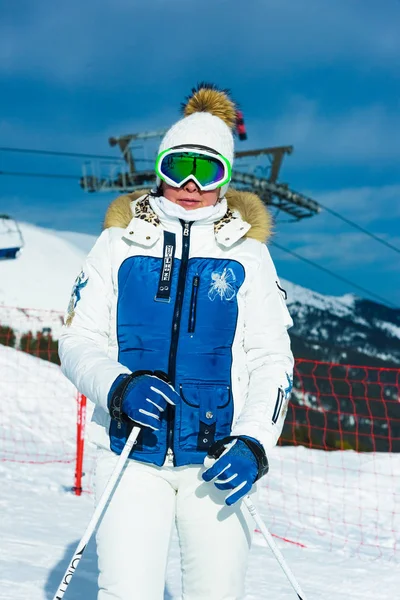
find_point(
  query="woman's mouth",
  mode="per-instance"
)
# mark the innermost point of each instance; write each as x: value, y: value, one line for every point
x: 188, y: 202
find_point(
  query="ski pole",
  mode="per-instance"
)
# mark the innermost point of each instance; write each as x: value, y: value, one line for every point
x: 273, y: 547
x: 97, y: 514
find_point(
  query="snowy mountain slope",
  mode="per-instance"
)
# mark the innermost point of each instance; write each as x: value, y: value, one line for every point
x: 43, y: 275
x: 42, y: 422
x: 337, y: 305
x: 346, y: 330
x: 83, y: 241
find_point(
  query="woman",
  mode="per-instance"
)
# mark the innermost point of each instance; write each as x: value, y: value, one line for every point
x: 177, y: 323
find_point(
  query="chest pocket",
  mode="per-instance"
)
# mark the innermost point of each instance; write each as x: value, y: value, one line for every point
x: 206, y: 413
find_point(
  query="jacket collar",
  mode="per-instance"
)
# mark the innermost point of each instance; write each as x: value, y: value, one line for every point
x: 145, y: 226
x: 246, y: 216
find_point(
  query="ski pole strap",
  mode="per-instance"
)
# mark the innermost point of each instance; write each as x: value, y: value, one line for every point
x: 218, y: 448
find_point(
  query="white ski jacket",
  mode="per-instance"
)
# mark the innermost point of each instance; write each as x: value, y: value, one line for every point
x: 200, y: 301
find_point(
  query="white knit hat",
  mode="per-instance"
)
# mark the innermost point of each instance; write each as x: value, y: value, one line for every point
x: 210, y: 116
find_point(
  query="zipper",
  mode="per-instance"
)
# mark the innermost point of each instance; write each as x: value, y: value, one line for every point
x: 278, y: 405
x: 176, y: 322
x: 193, y: 304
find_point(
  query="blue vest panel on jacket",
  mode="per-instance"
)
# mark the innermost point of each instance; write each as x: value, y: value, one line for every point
x: 193, y: 348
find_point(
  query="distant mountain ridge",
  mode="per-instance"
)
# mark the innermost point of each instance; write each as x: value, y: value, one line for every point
x: 346, y: 329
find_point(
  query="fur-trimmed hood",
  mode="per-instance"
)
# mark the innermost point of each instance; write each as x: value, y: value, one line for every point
x: 250, y: 207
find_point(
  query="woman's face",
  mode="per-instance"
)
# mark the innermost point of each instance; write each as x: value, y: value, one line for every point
x: 189, y: 195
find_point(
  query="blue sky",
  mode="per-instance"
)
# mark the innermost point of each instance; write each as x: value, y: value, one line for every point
x: 323, y: 76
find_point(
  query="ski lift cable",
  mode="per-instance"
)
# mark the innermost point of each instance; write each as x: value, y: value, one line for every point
x: 71, y: 154
x: 333, y: 274
x: 46, y: 175
x: 360, y: 228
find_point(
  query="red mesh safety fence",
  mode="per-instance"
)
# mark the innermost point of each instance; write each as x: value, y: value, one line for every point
x: 39, y: 408
x: 333, y: 478
x: 38, y: 404
x: 338, y: 458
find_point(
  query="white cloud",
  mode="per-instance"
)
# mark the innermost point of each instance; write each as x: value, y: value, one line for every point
x: 355, y: 136
x: 365, y: 204
x: 331, y: 242
x: 343, y: 250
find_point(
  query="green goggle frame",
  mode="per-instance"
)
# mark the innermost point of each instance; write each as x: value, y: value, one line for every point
x: 208, y: 169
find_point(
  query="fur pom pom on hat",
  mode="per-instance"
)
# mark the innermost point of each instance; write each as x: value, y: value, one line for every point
x: 208, y: 98
x: 209, y: 119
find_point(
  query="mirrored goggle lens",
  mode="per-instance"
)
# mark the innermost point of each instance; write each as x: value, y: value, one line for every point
x: 179, y: 166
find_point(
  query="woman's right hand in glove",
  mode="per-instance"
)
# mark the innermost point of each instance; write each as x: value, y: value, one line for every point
x: 141, y: 397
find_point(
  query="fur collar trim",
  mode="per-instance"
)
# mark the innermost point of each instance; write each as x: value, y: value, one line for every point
x: 250, y: 207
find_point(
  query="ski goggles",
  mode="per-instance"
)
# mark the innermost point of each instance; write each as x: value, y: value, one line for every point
x: 208, y: 169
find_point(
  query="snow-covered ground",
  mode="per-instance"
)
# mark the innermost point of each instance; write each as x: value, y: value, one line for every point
x: 40, y: 427
x: 42, y: 522
x: 334, y: 514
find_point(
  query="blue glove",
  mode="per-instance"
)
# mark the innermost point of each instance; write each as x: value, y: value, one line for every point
x: 240, y: 461
x: 141, y: 397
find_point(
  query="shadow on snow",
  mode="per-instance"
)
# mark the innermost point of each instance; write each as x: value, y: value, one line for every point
x: 83, y: 584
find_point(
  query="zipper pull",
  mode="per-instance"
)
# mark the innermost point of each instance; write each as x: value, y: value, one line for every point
x: 186, y: 229
x: 170, y: 456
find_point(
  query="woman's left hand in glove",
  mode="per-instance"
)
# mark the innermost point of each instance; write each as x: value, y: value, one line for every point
x: 235, y: 463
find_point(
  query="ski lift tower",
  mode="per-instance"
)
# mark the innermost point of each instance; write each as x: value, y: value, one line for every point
x: 123, y: 175
x: 254, y: 170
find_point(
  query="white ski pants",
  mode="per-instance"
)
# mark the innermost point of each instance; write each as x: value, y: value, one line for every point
x: 134, y: 536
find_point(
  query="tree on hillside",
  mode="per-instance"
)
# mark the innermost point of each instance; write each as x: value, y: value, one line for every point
x: 7, y: 336
x: 41, y: 345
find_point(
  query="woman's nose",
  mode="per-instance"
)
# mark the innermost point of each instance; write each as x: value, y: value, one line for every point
x: 190, y: 186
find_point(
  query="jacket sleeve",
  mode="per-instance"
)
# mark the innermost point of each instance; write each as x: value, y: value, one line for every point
x: 84, y: 341
x: 269, y: 359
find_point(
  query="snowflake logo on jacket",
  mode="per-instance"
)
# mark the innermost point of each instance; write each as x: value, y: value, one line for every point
x: 221, y: 285
x: 80, y: 283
